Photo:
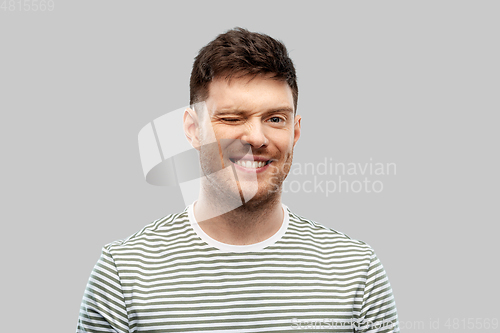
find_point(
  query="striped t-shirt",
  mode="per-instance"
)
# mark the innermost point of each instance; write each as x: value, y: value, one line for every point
x: 172, y: 277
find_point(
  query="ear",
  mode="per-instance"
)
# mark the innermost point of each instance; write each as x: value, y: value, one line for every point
x: 296, y: 129
x: 191, y: 128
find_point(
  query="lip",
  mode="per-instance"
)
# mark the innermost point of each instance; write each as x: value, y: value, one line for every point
x: 250, y: 158
x: 252, y: 170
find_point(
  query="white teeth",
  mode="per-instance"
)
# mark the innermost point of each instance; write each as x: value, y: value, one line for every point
x: 250, y: 164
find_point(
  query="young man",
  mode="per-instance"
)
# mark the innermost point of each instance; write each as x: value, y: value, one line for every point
x: 238, y: 259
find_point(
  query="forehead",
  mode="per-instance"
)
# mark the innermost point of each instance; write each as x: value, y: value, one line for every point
x: 249, y: 94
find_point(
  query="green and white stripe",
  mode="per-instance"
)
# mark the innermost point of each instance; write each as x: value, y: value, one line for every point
x: 171, y: 277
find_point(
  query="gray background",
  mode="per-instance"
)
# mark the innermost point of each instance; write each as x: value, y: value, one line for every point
x: 413, y: 83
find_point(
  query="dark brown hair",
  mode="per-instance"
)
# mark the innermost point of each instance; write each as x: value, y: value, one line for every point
x: 238, y: 53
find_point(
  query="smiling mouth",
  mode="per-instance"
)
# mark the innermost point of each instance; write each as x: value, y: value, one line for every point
x: 251, y: 164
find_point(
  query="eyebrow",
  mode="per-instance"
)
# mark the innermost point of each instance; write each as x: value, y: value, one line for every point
x: 241, y: 112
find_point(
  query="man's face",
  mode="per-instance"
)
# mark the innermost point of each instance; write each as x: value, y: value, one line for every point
x: 254, y: 125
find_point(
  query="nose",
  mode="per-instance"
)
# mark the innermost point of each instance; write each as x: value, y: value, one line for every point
x: 254, y: 135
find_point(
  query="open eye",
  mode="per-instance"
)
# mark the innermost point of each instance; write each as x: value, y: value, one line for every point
x: 276, y: 119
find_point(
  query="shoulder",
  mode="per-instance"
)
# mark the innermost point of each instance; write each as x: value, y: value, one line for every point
x: 164, y: 228
x: 307, y: 229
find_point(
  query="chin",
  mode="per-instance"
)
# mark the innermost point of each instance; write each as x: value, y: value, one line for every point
x: 263, y: 196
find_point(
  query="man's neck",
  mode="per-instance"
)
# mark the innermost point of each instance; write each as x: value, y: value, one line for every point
x: 247, y: 224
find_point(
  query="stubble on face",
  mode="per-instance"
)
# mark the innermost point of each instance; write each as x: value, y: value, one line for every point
x: 220, y: 182
x: 226, y: 190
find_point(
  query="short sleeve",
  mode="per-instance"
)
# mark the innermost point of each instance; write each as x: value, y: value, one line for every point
x: 103, y: 306
x: 378, y: 311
